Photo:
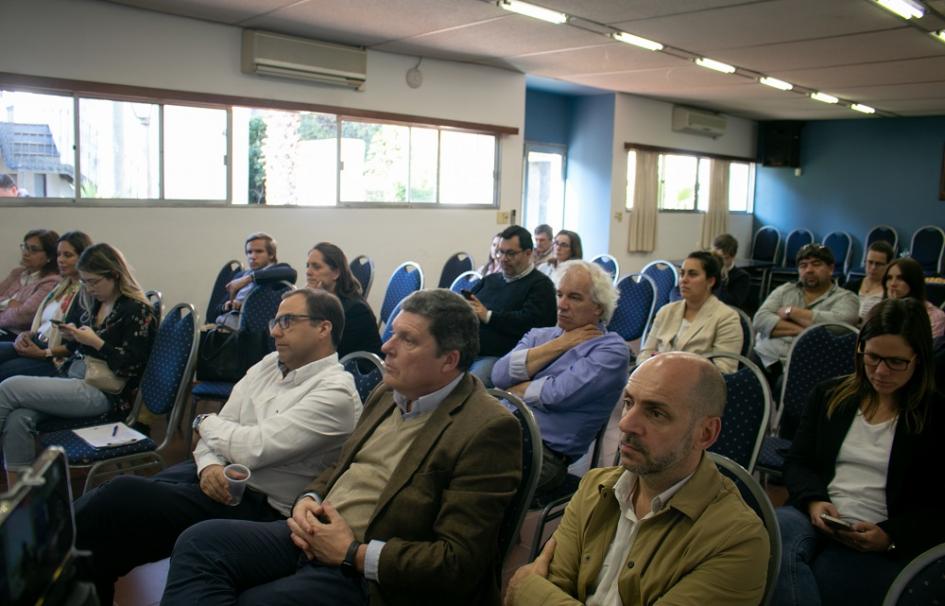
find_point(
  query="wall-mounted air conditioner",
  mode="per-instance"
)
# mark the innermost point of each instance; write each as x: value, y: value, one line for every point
x: 698, y: 122
x: 272, y: 54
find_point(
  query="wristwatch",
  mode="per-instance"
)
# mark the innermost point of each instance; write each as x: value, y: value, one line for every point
x: 348, y: 566
x: 197, y: 421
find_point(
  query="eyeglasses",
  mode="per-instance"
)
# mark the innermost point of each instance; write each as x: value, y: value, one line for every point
x: 286, y: 321
x: 895, y: 364
x: 562, y: 244
x: 509, y: 254
x: 30, y: 249
x: 91, y: 282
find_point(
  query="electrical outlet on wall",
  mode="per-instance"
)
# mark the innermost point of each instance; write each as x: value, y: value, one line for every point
x: 502, y: 217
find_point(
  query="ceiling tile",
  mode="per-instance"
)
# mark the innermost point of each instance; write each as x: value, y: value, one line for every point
x: 608, y: 57
x: 612, y: 11
x: 221, y: 11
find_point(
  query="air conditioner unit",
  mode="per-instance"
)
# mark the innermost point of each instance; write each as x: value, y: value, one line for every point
x: 697, y: 121
x: 273, y: 54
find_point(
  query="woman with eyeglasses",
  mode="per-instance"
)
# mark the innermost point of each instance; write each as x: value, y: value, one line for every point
x: 39, y: 351
x: 566, y: 246
x: 25, y: 288
x: 863, y: 471
x: 904, y: 278
x: 109, y: 346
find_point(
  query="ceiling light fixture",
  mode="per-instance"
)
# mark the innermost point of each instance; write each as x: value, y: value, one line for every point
x: 939, y: 35
x: 536, y: 12
x: 823, y: 97
x: 865, y: 109
x: 637, y: 41
x: 775, y: 83
x: 907, y: 9
x: 718, y: 66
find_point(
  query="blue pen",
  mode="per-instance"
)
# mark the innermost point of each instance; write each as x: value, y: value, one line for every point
x: 115, y: 430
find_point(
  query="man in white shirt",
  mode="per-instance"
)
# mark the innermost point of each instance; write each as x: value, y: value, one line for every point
x: 286, y: 420
x: 665, y: 526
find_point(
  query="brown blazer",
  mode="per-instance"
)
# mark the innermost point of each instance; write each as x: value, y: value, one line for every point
x: 441, y: 510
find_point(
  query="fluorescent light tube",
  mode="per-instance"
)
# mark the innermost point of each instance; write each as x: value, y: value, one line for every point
x: 823, y: 97
x: 530, y: 10
x: 907, y: 9
x: 775, y: 83
x: 865, y: 109
x: 939, y: 35
x: 718, y: 66
x: 637, y: 41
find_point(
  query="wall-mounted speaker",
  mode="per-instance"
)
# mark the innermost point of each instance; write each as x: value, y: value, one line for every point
x: 779, y: 143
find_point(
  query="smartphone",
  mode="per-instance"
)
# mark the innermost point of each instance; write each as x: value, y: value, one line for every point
x: 836, y: 523
x: 467, y: 294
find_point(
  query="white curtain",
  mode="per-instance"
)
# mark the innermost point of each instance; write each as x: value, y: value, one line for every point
x: 715, y: 220
x: 642, y: 237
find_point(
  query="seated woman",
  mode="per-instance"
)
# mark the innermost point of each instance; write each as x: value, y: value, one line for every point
x: 327, y: 268
x: 734, y: 282
x: 39, y: 351
x: 566, y: 246
x: 870, y: 287
x: 114, y: 335
x: 867, y: 453
x: 264, y: 267
x: 26, y: 286
x: 904, y: 278
x: 699, y: 322
x: 492, y: 265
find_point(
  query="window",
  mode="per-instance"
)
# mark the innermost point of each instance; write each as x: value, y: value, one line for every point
x: 118, y: 144
x: 684, y: 183
x: 194, y: 153
x: 40, y: 131
x: 544, y: 185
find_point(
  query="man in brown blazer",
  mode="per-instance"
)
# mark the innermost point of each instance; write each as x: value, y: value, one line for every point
x: 409, y: 514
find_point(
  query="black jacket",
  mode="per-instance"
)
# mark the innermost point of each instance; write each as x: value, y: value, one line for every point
x: 516, y: 307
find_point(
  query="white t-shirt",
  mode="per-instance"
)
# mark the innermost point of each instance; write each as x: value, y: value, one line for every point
x: 858, y: 488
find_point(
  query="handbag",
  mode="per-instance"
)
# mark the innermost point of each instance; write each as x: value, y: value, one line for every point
x: 100, y: 376
x: 219, y: 357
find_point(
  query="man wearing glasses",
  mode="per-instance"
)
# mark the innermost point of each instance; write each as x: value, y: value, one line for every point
x: 792, y: 307
x: 286, y: 420
x: 511, y: 302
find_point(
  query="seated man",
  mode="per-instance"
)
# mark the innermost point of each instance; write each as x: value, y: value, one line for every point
x: 571, y: 375
x: 411, y: 510
x: 286, y: 420
x: 543, y: 249
x: 264, y: 267
x: 733, y: 288
x: 666, y: 527
x: 511, y: 302
x: 794, y: 306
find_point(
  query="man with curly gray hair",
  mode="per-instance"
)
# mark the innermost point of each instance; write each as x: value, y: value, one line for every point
x: 572, y: 374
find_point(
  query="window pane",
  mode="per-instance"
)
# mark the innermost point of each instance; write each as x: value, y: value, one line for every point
x: 705, y: 166
x: 677, y: 182
x: 631, y: 177
x: 544, y: 188
x: 423, y: 154
x: 739, y: 187
x: 375, y: 162
x: 194, y: 153
x: 467, y: 168
x: 118, y: 143
x: 37, y: 143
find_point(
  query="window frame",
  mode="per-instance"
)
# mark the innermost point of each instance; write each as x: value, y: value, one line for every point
x: 547, y: 148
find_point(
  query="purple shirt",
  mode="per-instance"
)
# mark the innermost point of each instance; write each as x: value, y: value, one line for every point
x: 573, y: 396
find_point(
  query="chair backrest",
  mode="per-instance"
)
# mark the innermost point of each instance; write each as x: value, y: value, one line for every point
x: 465, y: 281
x: 927, y: 248
x: 155, y: 298
x: 219, y: 295
x: 260, y: 306
x: 921, y: 582
x: 609, y: 264
x: 634, y: 307
x: 841, y: 245
x: 389, y: 323
x: 764, y: 246
x: 455, y: 265
x: 675, y: 295
x: 367, y: 370
x: 795, y: 240
x: 165, y: 384
x: 531, y: 468
x: 756, y: 498
x: 821, y: 352
x: 887, y: 233
x: 363, y: 269
x: 747, y: 412
x: 665, y: 275
x: 748, y: 331
x: 406, y: 279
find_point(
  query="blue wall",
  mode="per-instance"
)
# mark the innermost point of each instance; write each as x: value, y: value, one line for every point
x: 857, y: 174
x: 590, y: 168
x: 547, y: 117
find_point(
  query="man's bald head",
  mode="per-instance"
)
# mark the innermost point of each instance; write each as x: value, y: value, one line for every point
x: 695, y: 380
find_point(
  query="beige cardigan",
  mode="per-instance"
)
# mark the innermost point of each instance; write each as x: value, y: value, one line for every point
x: 715, y: 328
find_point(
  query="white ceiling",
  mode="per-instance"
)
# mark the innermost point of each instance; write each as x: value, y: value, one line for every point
x: 852, y: 49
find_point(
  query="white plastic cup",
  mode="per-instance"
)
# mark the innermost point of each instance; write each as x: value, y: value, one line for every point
x: 237, y: 476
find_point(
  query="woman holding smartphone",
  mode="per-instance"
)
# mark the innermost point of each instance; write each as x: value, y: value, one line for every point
x: 867, y: 453
x: 110, y: 345
x: 39, y: 351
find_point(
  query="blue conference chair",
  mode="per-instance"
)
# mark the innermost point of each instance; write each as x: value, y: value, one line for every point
x: 921, y: 582
x: 406, y: 279
x: 609, y: 264
x: 765, y: 244
x: 218, y: 295
x: 666, y: 277
x: 457, y: 264
x: 367, y: 369
x: 635, y: 307
x: 389, y: 323
x: 363, y: 269
x: 841, y: 245
x: 928, y: 248
x: 787, y: 271
x: 465, y: 281
x: 747, y: 412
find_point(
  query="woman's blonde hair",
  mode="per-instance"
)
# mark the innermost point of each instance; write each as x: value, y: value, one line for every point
x: 105, y: 260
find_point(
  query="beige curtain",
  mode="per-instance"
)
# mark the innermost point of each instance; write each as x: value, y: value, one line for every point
x: 715, y: 220
x: 643, y: 216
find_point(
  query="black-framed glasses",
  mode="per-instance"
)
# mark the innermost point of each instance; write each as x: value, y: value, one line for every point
x: 509, y: 254
x: 894, y: 364
x: 286, y: 321
x: 30, y: 248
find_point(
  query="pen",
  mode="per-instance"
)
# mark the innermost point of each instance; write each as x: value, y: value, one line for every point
x: 115, y: 430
